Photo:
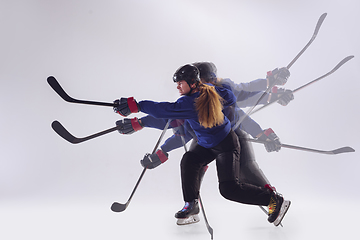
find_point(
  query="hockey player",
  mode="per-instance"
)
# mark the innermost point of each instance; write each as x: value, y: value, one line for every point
x: 249, y: 169
x: 215, y: 140
x: 208, y: 74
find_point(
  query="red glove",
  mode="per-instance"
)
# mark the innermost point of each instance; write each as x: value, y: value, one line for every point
x: 126, y: 106
x: 271, y: 140
x: 278, y: 76
x: 282, y: 95
x: 151, y: 161
x: 129, y: 126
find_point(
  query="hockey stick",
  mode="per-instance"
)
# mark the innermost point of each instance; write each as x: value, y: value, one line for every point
x: 120, y: 207
x: 342, y: 62
x: 330, y: 152
x: 60, y: 129
x: 59, y: 90
x: 248, y: 113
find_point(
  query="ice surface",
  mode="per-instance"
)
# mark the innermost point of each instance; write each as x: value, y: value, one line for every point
x: 94, y: 220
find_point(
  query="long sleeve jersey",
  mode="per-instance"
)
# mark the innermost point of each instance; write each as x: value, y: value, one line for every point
x: 247, y: 94
x: 184, y: 108
x: 241, y: 91
x: 183, y: 133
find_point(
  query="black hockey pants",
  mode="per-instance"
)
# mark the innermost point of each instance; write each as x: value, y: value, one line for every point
x: 227, y: 155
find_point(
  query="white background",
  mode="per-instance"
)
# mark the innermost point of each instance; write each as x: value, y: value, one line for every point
x: 103, y: 50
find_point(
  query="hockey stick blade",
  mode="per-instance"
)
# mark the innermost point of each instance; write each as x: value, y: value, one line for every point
x: 118, y: 207
x: 343, y: 150
x: 65, y: 134
x: 331, y: 152
x: 59, y: 129
x: 318, y: 25
x: 54, y: 84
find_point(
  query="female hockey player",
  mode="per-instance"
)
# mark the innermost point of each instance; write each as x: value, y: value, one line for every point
x: 249, y: 168
x: 201, y: 107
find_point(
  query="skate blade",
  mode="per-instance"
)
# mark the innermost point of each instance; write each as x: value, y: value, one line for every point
x: 190, y: 220
x: 284, y: 208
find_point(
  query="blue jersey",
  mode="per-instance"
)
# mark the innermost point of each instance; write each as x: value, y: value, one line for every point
x: 182, y: 131
x: 246, y: 94
x: 235, y: 113
x: 184, y: 108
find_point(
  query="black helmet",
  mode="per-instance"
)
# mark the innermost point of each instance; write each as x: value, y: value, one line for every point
x: 207, y: 70
x: 188, y: 73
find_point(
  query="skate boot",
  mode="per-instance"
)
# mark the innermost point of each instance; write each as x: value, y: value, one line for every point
x: 284, y: 208
x: 277, y: 208
x: 189, y: 213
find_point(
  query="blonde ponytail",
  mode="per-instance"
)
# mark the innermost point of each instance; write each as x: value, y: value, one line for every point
x: 209, y: 107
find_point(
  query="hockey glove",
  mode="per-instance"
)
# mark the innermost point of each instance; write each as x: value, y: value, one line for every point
x: 271, y: 140
x: 126, y: 106
x: 278, y: 76
x: 151, y: 161
x: 129, y: 126
x: 283, y: 96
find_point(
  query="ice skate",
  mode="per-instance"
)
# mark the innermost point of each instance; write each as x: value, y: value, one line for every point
x: 284, y: 208
x: 189, y: 213
x: 277, y: 208
x: 189, y: 220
